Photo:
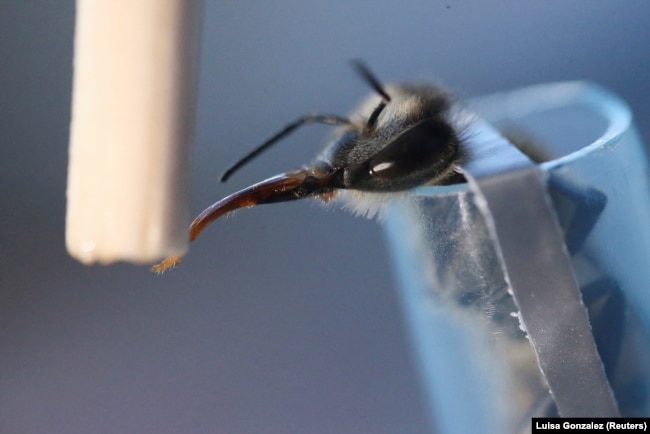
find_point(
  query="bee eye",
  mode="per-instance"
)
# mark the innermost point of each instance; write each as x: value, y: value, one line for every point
x: 422, y: 147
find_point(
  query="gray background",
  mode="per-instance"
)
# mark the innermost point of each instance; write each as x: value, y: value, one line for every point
x: 283, y: 319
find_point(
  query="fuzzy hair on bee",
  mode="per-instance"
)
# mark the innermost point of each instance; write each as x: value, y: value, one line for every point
x: 401, y: 137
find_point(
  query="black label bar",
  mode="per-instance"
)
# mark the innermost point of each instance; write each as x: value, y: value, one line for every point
x: 586, y: 424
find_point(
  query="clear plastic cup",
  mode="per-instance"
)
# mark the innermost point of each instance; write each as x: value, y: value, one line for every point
x: 479, y: 371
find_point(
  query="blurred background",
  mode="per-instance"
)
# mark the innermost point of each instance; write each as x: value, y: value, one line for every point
x: 284, y: 318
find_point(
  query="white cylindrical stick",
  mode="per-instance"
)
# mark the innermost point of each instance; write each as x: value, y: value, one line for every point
x: 133, y: 105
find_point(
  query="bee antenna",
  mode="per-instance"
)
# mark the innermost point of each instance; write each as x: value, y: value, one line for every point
x: 370, y: 78
x: 307, y: 119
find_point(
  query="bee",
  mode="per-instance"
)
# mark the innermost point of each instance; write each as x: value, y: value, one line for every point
x: 403, y: 136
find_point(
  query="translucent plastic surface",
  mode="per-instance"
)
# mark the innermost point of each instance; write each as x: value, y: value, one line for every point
x: 479, y: 369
